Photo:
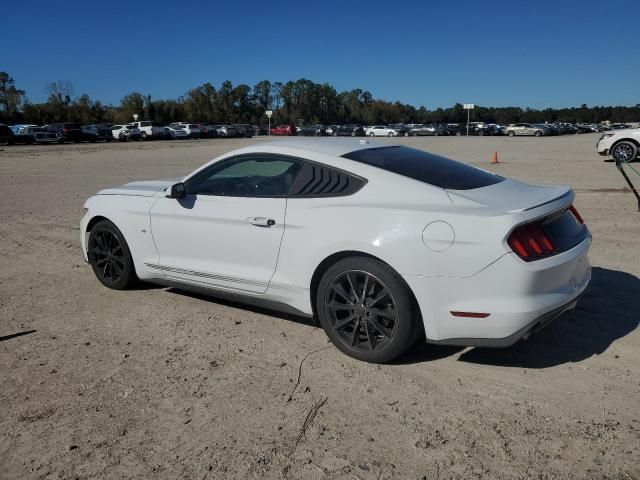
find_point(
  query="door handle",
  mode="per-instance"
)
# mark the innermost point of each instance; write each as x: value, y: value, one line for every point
x: 261, y: 221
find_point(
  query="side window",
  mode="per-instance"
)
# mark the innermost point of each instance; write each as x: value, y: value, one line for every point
x: 247, y: 176
x: 320, y: 181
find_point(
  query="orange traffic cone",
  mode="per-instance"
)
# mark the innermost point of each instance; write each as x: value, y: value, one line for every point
x: 495, y: 157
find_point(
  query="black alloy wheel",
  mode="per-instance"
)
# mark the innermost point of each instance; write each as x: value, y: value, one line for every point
x: 110, y: 257
x: 366, y: 309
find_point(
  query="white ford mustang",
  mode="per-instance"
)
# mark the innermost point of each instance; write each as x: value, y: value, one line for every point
x: 381, y: 242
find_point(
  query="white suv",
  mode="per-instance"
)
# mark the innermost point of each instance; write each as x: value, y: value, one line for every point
x: 150, y: 129
x: 621, y: 145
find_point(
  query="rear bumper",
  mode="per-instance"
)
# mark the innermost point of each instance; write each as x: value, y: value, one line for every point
x: 519, y: 297
x: 524, y: 333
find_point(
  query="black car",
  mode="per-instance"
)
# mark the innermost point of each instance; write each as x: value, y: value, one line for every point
x: 94, y: 133
x: 401, y: 128
x: 350, y: 131
x: 6, y: 135
x: 207, y: 131
x: 427, y: 130
x: 244, y: 130
x: 313, y: 131
x: 69, y: 132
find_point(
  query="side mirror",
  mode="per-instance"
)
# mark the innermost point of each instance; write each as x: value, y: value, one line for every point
x: 178, y: 191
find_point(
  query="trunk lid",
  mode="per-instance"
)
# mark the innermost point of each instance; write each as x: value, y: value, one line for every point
x: 511, y: 196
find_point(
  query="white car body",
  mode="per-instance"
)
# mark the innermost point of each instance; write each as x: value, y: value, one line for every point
x: 150, y: 129
x: 124, y: 132
x: 175, y: 132
x: 192, y: 130
x: 449, y: 246
x: 380, y: 131
x: 609, y: 140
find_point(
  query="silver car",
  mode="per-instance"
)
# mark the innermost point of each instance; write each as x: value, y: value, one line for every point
x: 526, y: 129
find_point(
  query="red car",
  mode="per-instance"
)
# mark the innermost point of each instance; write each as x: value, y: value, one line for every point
x: 283, y: 130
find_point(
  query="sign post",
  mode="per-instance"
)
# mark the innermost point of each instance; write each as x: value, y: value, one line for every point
x: 468, y: 107
x: 268, y: 113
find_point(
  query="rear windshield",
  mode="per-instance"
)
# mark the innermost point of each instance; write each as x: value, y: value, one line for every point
x: 425, y: 167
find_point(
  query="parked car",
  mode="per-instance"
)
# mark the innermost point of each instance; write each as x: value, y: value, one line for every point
x: 314, y: 131
x: 192, y: 130
x: 150, y: 130
x: 68, y: 131
x: 422, y: 130
x: 284, y: 130
x: 244, y: 130
x: 30, y: 134
x: 526, y: 129
x: 226, y: 131
x: 175, y: 133
x: 6, y: 135
x: 125, y: 133
x: 456, y: 232
x: 349, y: 131
x: 380, y: 131
x: 622, y: 145
x: 332, y: 130
x: 401, y: 128
x: 93, y: 133
x: 207, y: 131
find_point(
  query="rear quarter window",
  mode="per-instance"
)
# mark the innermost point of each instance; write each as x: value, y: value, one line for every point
x: 425, y: 167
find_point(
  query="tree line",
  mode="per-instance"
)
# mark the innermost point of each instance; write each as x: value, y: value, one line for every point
x: 300, y: 102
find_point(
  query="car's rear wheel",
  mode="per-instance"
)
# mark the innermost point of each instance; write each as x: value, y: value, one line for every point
x: 538, y: 133
x: 367, y: 310
x: 511, y: 133
x: 390, y: 134
x: 371, y: 134
x: 624, y: 151
x: 143, y: 135
x: 110, y: 257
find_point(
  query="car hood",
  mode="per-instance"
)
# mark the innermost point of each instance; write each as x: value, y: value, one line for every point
x: 146, y: 188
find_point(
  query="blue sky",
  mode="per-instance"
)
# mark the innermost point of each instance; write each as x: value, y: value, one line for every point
x: 432, y: 53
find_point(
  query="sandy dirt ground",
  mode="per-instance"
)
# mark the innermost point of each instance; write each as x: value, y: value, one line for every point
x: 157, y: 383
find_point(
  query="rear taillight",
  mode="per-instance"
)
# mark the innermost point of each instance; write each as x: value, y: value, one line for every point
x: 548, y: 236
x: 530, y: 242
x: 575, y: 213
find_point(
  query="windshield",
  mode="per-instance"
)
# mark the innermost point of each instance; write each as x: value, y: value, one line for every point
x: 425, y: 167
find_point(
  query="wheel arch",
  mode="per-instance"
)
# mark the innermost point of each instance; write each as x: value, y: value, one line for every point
x: 325, y: 264
x: 626, y: 139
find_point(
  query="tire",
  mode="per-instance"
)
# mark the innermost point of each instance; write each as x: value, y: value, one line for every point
x: 624, y: 151
x: 538, y: 133
x: 356, y: 327
x: 353, y: 134
x: 511, y: 133
x: 110, y: 257
x: 436, y: 134
x: 143, y: 135
x: 371, y: 134
x: 391, y: 134
x: 335, y: 134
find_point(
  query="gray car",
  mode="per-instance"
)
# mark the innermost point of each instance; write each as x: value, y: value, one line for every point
x: 526, y: 129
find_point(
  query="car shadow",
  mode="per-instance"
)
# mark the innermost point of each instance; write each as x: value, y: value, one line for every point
x: 15, y: 335
x: 609, y: 311
x: 244, y: 305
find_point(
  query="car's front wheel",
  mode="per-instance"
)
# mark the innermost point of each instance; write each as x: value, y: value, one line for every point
x: 511, y: 133
x: 110, y: 257
x: 624, y: 151
x: 367, y: 310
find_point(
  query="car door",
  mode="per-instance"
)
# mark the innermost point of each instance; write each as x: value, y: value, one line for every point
x: 227, y: 229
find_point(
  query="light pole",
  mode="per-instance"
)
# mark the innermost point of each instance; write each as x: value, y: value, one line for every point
x: 135, y: 117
